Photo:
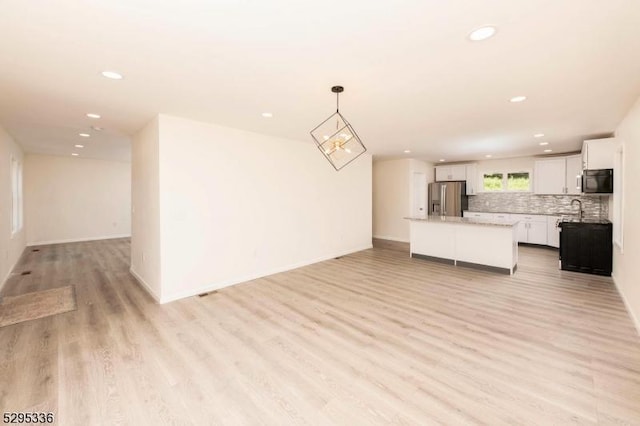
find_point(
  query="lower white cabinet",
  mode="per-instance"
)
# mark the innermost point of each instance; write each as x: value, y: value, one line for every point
x: 553, y: 232
x: 537, y: 233
x: 532, y: 228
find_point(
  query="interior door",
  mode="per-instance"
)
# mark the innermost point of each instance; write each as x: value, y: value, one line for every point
x: 419, y: 196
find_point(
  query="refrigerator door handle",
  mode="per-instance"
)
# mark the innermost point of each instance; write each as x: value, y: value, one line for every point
x: 443, y: 200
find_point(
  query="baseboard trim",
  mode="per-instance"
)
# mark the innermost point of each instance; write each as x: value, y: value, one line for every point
x: 634, y: 319
x: 144, y: 285
x: 383, y: 237
x: 77, y: 240
x: 4, y: 281
x: 234, y: 281
x: 6, y: 278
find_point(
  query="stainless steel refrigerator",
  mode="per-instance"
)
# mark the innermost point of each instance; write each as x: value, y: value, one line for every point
x: 448, y: 198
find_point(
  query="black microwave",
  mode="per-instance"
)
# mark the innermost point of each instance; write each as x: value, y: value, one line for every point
x: 597, y: 181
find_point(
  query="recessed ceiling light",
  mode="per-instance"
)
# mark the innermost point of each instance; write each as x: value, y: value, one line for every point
x: 538, y: 135
x: 482, y: 33
x: 407, y: 151
x: 112, y: 75
x: 517, y: 99
x: 548, y: 150
x: 441, y: 160
x: 75, y: 154
x: 544, y: 143
x: 92, y: 115
x: 488, y: 155
x: 84, y: 135
x: 79, y: 146
x: 99, y: 129
x: 267, y: 114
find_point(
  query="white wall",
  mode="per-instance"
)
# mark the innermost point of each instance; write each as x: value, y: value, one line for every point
x: 11, y: 246
x: 392, y: 196
x: 145, y: 207
x: 75, y: 199
x: 625, y: 262
x: 236, y: 205
x: 391, y: 189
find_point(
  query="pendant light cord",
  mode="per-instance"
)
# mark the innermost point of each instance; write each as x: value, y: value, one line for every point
x: 337, y: 101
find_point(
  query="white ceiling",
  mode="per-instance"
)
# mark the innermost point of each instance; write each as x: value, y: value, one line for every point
x: 412, y: 78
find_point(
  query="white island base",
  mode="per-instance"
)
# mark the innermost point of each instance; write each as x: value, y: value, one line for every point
x: 490, y: 245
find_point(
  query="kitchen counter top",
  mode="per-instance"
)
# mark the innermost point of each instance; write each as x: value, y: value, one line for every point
x: 591, y: 221
x: 528, y: 213
x: 465, y: 220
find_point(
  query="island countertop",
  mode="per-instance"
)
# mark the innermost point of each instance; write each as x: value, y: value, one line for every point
x: 465, y: 220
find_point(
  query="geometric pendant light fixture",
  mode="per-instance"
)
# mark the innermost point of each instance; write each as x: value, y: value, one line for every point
x: 336, y: 139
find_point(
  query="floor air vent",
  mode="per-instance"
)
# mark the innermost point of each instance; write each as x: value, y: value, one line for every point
x: 26, y: 273
x: 206, y: 294
x: 35, y: 250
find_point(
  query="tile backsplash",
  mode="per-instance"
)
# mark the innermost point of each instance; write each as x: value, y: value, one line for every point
x: 594, y: 206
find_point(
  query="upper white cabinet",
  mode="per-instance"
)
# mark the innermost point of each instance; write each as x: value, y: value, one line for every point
x: 550, y: 176
x: 598, y: 154
x: 558, y: 175
x: 451, y: 173
x: 574, y: 174
x: 472, y: 178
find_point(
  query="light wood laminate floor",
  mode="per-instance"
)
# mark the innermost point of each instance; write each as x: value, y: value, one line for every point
x: 370, y: 338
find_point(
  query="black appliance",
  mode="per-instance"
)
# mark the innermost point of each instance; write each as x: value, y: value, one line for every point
x: 597, y: 181
x: 586, y: 246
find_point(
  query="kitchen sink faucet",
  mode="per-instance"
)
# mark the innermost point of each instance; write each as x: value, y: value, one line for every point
x: 579, y: 206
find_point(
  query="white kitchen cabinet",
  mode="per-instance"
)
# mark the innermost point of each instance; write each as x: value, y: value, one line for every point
x: 574, y: 174
x: 451, y: 173
x: 532, y: 229
x: 598, y: 154
x: 471, y: 172
x: 553, y: 232
x: 549, y: 176
x: 523, y: 231
x: 537, y: 233
x: 558, y: 175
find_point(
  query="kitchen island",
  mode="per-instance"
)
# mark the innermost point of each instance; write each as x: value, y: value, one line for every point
x: 485, y: 243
